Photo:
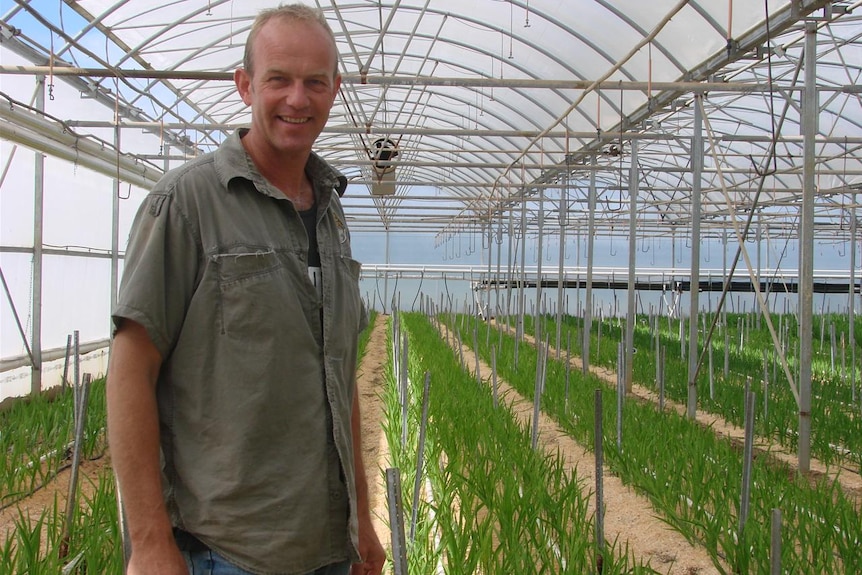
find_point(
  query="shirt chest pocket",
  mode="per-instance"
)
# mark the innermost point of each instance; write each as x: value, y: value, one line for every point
x: 258, y: 291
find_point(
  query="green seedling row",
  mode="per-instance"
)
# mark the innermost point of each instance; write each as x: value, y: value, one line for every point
x: 41, y: 430
x: 495, y: 505
x: 836, y: 436
x: 36, y: 436
x: 693, y: 478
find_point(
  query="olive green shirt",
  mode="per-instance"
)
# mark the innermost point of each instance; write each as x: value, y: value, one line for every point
x: 256, y: 386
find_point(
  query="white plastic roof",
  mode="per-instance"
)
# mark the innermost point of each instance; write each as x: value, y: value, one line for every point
x: 489, y: 101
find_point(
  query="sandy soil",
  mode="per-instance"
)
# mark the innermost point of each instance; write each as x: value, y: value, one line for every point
x: 58, y: 488
x: 375, y: 451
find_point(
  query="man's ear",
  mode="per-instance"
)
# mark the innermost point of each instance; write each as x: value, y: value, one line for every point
x: 336, y: 85
x: 243, y: 85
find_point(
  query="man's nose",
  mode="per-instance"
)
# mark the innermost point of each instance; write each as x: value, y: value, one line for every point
x: 297, y: 95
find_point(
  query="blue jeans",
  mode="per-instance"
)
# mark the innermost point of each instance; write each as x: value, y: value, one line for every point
x: 211, y: 563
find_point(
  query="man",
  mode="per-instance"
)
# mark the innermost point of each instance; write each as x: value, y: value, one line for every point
x: 232, y: 407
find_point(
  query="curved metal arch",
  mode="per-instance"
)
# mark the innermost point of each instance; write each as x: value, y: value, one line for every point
x: 96, y: 23
x: 204, y: 113
x: 541, y: 50
x: 120, y: 78
x: 525, y: 70
x: 640, y: 30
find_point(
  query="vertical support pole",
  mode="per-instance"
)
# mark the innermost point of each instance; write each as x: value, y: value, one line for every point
x: 724, y: 307
x: 510, y: 267
x: 775, y: 553
x: 488, y: 233
x: 600, y: 498
x: 38, y: 233
x: 759, y: 245
x: 810, y: 110
x: 115, y: 231
x: 852, y: 296
x: 396, y: 521
x: 747, y: 458
x: 588, y: 304
x: 66, y: 362
x: 542, y: 358
x: 620, y: 394
x: 420, y: 456
x: 696, y: 176
x: 386, y: 277
x: 564, y: 208
x: 72, y: 501
x: 630, y: 311
x: 540, y: 238
x: 404, y: 380
x: 498, y: 238
x: 519, y: 331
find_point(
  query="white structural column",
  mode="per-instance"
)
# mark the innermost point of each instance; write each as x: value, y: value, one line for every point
x: 696, y: 174
x: 564, y: 207
x: 540, y: 237
x: 386, y: 277
x: 852, y: 302
x: 591, y: 232
x: 510, y: 263
x: 633, y: 241
x: 115, y: 230
x: 498, y: 239
x: 810, y: 111
x: 522, y: 277
x: 488, y: 233
x: 38, y: 220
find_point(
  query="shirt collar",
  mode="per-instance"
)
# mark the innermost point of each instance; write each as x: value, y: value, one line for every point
x: 232, y: 161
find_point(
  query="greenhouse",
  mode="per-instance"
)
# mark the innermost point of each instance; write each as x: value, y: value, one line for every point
x: 610, y: 262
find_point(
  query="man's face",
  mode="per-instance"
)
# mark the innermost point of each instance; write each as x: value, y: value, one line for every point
x: 292, y: 85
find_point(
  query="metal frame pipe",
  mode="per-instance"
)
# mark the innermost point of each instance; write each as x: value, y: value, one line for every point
x: 806, y: 246
x: 696, y: 169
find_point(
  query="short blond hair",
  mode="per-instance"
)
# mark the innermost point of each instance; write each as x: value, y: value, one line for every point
x: 291, y: 12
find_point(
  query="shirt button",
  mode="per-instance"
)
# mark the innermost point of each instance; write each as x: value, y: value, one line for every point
x: 335, y: 495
